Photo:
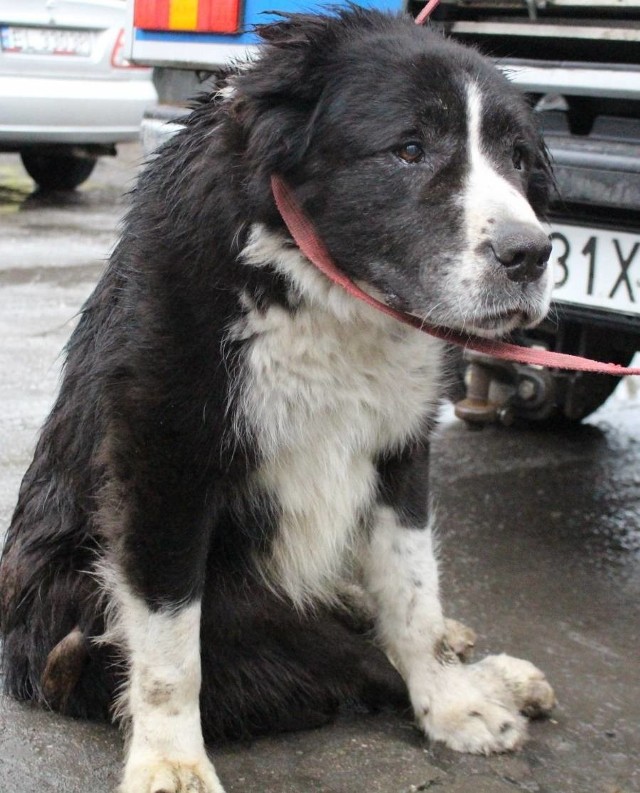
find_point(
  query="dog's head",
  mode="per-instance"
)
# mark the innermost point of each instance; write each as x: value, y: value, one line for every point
x: 419, y: 164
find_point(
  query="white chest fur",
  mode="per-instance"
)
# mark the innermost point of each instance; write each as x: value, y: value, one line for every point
x: 325, y: 389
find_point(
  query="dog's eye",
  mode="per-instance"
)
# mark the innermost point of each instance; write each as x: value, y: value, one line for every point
x: 518, y: 158
x: 411, y: 153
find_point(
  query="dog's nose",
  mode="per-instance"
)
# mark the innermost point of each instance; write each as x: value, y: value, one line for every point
x: 523, y: 251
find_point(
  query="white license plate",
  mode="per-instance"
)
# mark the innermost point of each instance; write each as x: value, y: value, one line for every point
x: 47, y: 41
x: 596, y: 267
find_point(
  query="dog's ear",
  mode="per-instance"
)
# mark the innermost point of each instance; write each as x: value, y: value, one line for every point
x: 297, y: 46
x: 275, y: 100
x: 277, y: 97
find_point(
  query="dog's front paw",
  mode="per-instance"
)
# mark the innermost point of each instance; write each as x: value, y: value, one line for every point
x: 467, y: 716
x: 170, y: 776
x: 477, y: 708
x: 528, y: 686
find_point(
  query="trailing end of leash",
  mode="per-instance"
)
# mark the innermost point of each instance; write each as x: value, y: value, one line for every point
x: 310, y: 244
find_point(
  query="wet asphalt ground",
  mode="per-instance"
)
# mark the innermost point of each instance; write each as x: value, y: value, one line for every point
x: 540, y: 535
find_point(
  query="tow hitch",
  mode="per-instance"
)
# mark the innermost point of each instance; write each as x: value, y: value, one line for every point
x: 499, y: 391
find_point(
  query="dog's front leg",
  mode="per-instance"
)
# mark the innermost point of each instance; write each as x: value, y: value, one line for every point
x: 473, y: 708
x: 166, y: 751
x: 157, y: 573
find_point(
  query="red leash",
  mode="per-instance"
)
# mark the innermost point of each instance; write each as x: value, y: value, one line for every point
x: 305, y: 237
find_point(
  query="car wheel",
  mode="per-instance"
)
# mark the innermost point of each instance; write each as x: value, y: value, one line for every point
x: 579, y: 394
x: 589, y: 391
x: 57, y: 171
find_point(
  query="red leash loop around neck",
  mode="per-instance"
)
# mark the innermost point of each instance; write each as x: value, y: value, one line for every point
x: 305, y: 237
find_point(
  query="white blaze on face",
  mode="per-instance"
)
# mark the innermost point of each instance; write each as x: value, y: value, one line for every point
x: 473, y: 289
x: 488, y: 195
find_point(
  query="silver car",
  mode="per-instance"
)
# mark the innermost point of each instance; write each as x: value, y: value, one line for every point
x: 67, y: 94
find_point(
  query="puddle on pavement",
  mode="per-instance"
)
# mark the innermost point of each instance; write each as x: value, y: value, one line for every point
x: 11, y: 198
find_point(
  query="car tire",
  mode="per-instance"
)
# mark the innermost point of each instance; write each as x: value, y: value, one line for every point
x: 57, y: 171
x: 582, y: 393
x: 591, y: 391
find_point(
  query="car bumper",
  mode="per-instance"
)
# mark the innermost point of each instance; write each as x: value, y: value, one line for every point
x: 77, y: 111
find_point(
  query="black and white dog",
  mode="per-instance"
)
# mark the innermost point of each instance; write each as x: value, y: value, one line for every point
x: 237, y: 459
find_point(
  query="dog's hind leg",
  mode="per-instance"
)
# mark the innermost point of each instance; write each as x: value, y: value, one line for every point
x: 50, y: 608
x: 268, y: 667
